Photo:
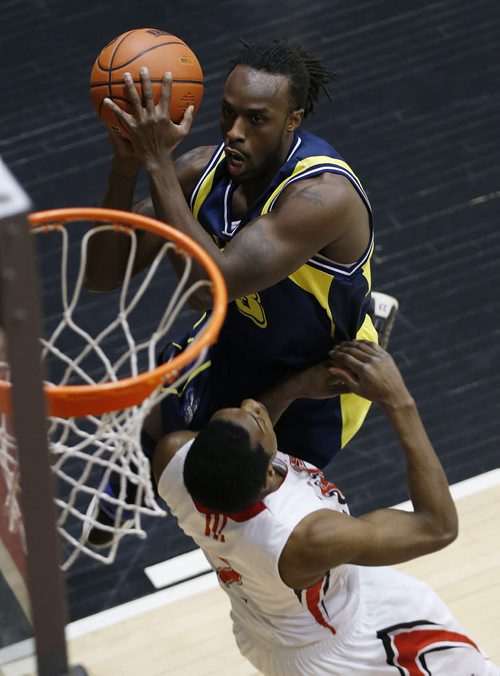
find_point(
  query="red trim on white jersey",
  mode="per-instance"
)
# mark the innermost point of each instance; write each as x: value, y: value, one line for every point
x: 239, y: 517
x: 314, y: 598
x: 406, y: 645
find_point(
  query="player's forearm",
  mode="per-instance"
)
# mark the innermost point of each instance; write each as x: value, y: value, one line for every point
x: 171, y: 207
x: 108, y: 251
x: 121, y: 184
x: 289, y: 389
x: 277, y: 400
x: 426, y: 479
x: 106, y: 261
x: 315, y: 382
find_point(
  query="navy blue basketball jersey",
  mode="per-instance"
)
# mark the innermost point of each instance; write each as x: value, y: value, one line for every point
x: 290, y: 325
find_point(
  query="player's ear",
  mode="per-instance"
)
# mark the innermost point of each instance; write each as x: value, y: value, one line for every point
x: 268, y: 482
x: 294, y: 119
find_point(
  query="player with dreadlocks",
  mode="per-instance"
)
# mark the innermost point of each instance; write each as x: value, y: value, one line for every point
x: 286, y: 220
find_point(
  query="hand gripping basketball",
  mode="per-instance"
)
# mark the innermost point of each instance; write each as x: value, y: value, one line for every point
x: 149, y: 127
x: 156, y: 50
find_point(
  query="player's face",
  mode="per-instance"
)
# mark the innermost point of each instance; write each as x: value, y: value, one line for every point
x: 256, y: 122
x: 254, y: 418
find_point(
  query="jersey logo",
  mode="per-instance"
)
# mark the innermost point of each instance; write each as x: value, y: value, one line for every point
x: 214, y: 525
x: 251, y: 307
x: 155, y: 32
x: 407, y: 644
x: 227, y: 575
x: 317, y: 478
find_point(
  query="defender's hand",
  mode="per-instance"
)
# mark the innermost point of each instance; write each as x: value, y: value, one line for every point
x: 369, y: 371
x: 317, y: 382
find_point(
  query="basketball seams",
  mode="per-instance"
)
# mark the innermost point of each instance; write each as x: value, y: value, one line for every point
x: 120, y: 42
x: 107, y: 70
x: 102, y: 68
x: 119, y: 37
x: 153, y: 81
x: 146, y: 51
x: 121, y: 98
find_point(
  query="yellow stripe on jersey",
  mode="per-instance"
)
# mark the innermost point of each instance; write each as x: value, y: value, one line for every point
x: 318, y: 283
x: 205, y: 187
x: 199, y: 320
x: 367, y: 271
x: 367, y: 331
x: 303, y: 166
x: 354, y: 408
x: 196, y: 372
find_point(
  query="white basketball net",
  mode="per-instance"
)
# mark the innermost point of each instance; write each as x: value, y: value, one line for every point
x: 9, y: 466
x: 110, y: 442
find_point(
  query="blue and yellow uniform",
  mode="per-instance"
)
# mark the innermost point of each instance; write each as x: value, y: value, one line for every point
x: 289, y: 326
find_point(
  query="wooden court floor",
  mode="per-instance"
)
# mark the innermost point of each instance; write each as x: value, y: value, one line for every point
x: 192, y: 637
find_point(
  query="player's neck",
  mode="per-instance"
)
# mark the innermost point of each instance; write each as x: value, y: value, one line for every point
x: 250, y: 191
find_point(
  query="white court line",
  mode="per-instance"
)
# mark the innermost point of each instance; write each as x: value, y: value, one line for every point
x: 17, y: 651
x: 140, y: 606
x: 177, y: 569
x: 463, y: 489
x: 208, y: 581
x: 106, y: 618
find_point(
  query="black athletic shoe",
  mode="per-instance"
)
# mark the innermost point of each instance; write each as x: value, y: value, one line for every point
x: 98, y: 537
x: 383, y: 311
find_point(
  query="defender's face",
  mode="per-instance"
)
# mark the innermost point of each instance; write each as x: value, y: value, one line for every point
x: 255, y: 122
x: 254, y: 418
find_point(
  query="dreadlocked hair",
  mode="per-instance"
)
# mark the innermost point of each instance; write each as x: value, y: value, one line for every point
x: 278, y: 56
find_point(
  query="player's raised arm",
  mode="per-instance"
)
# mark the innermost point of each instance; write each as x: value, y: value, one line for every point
x: 127, y: 53
x: 108, y: 251
x: 316, y: 382
x: 385, y: 536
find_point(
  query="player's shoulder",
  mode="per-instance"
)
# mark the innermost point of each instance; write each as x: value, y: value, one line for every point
x: 319, y: 169
x: 190, y: 164
x: 194, y: 160
x: 167, y: 447
x: 324, y: 191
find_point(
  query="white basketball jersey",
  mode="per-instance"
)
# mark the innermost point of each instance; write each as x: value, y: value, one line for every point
x: 244, y: 549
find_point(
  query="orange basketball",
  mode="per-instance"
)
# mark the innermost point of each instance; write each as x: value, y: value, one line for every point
x: 160, y: 52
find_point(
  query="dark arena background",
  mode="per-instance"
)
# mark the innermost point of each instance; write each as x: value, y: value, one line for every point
x: 415, y: 114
